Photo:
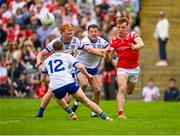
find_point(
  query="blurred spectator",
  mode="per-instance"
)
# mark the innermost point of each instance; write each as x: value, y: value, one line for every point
x: 21, y: 86
x: 25, y: 56
x: 85, y: 6
x: 150, y: 92
x: 12, y: 33
x: 162, y: 35
x: 9, y: 56
x: 109, y: 80
x: 3, y: 70
x: 43, y: 32
x: 3, y: 36
x: 16, y: 4
x: 24, y: 34
x: 38, y: 88
x: 20, y: 17
x: 34, y: 23
x: 172, y: 93
x: 4, y: 80
x: 35, y: 40
x: 6, y: 13
x: 4, y: 87
x: 70, y: 12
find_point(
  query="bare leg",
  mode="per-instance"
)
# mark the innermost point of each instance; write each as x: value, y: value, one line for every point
x: 93, y: 106
x: 46, y: 98
x: 122, y: 85
x: 96, y: 86
x: 45, y: 101
x: 83, y: 81
x: 66, y: 107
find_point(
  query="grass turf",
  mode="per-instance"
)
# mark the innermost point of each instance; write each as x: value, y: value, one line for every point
x: 17, y: 117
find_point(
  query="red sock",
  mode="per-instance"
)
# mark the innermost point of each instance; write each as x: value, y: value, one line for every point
x: 120, y: 113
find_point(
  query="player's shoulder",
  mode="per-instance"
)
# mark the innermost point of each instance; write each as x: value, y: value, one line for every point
x: 133, y: 34
x: 85, y: 39
x: 114, y: 40
x: 101, y: 39
x: 66, y: 55
x: 75, y: 40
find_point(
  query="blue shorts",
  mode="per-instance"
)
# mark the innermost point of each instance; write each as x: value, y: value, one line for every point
x: 71, y: 88
x: 93, y: 71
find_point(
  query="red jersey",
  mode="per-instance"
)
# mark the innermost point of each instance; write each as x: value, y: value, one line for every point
x: 127, y: 57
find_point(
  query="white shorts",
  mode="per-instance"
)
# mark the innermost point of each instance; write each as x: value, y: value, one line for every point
x: 132, y: 74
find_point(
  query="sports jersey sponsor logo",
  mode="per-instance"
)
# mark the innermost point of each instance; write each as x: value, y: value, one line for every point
x: 122, y: 48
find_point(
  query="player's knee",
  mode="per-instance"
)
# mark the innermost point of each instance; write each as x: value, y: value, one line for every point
x: 97, y: 89
x: 84, y: 84
x: 48, y: 95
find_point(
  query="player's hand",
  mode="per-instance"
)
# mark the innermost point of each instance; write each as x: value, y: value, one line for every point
x: 103, y: 54
x: 132, y: 45
x: 109, y: 50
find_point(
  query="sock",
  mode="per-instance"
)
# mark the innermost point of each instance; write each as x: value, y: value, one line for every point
x: 76, y: 102
x: 41, y: 111
x: 69, y: 111
x: 103, y: 116
x: 120, y: 113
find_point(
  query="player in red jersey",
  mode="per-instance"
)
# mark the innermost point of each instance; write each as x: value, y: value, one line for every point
x: 126, y: 45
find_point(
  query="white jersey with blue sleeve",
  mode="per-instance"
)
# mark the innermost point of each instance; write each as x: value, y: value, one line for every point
x: 58, y: 67
x: 89, y: 60
x: 71, y: 48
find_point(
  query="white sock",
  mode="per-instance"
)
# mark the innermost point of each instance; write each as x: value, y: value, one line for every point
x: 93, y: 113
x: 76, y: 103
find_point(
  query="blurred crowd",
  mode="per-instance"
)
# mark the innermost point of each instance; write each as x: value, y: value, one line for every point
x: 22, y: 36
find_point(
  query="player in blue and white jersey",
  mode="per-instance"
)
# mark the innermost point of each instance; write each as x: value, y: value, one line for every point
x: 58, y: 69
x: 91, y: 62
x: 71, y: 45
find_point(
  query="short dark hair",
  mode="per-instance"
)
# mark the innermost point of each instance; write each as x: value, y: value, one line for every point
x: 172, y: 80
x: 93, y: 26
x: 57, y: 45
x: 122, y: 20
x: 152, y: 79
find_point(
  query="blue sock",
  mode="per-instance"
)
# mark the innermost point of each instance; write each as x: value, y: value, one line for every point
x: 41, y: 111
x: 103, y: 115
x: 69, y: 111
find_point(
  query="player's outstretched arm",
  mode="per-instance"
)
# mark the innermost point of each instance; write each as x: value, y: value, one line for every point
x: 83, y: 70
x: 109, y: 53
x: 40, y: 56
x: 93, y: 51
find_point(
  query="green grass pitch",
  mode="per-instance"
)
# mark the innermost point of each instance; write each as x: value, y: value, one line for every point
x: 17, y: 117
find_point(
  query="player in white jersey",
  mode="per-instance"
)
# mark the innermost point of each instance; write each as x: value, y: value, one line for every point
x: 71, y: 44
x: 91, y: 62
x: 58, y: 69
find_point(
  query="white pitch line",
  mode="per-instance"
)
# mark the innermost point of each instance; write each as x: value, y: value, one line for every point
x: 10, y: 121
